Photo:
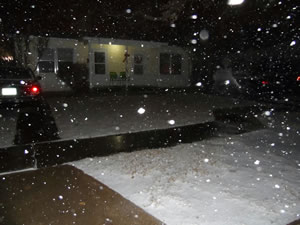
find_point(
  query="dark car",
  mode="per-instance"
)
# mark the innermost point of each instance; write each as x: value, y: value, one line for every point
x: 18, y: 85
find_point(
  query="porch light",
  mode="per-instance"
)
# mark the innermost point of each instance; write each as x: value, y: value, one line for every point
x: 235, y: 2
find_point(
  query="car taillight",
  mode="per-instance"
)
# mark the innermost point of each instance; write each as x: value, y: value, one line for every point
x: 33, y: 90
x: 298, y: 78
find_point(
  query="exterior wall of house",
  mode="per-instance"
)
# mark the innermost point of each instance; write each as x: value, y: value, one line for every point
x: 50, y: 80
x: 150, y: 54
x: 147, y: 54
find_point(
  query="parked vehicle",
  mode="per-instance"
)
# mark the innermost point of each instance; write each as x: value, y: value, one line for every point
x: 18, y: 85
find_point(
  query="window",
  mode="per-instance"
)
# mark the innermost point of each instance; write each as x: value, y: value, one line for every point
x: 170, y: 63
x: 65, y: 58
x: 100, y: 63
x: 46, y: 61
x: 138, y: 64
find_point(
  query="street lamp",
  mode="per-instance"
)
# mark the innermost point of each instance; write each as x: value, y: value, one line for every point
x: 235, y: 2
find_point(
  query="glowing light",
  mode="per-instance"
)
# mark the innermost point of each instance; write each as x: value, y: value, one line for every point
x: 141, y: 111
x: 264, y: 82
x: 35, y: 90
x: 298, y: 78
x: 293, y: 43
x: 7, y: 58
x: 194, y: 17
x: 235, y: 2
x: 199, y: 84
x: 171, y: 122
x: 194, y: 41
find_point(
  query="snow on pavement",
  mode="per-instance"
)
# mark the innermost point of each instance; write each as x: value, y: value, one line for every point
x: 252, y: 178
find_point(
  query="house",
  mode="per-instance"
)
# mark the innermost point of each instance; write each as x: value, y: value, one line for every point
x: 109, y: 62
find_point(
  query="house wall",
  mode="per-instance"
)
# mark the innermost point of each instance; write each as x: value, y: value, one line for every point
x: 50, y: 81
x: 151, y: 65
x: 83, y: 52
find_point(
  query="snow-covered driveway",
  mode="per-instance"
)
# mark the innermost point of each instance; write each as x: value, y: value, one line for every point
x: 250, y: 179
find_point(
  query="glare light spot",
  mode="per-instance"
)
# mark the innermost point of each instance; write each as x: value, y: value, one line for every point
x: 293, y: 43
x: 194, y: 17
x: 194, y: 41
x: 171, y: 122
x: 235, y: 2
x: 199, y: 84
x: 227, y: 82
x: 141, y: 111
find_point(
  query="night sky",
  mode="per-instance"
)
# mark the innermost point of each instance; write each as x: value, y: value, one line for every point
x: 265, y: 27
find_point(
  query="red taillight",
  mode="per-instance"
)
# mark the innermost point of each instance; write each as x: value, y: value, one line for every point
x: 35, y: 90
x: 298, y: 78
x: 32, y: 90
x: 264, y: 82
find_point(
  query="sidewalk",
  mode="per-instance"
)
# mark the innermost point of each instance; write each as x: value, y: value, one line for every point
x: 64, y: 195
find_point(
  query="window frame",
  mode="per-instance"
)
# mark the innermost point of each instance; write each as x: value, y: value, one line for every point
x: 100, y: 63
x: 142, y: 64
x: 171, y: 56
x: 52, y: 60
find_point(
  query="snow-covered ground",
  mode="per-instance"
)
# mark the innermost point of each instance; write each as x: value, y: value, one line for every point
x: 253, y: 178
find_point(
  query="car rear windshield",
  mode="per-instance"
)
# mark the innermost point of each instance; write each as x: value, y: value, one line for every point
x: 14, y: 73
